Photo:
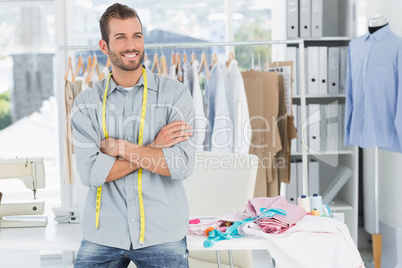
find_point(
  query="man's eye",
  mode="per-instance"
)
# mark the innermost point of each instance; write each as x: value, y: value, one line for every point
x: 138, y: 36
x: 120, y: 37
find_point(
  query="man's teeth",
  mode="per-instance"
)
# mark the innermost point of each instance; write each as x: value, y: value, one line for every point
x: 130, y: 56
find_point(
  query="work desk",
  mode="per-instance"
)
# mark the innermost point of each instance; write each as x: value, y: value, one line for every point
x: 67, y: 237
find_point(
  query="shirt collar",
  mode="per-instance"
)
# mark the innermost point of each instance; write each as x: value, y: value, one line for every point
x: 150, y: 79
x: 379, y: 34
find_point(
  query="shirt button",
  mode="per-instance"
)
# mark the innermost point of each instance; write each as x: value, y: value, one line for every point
x: 127, y: 115
x: 129, y: 138
x: 132, y: 220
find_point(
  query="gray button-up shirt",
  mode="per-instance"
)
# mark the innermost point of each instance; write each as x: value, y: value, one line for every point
x: 165, y: 201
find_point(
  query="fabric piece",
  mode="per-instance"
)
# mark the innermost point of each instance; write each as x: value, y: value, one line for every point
x: 278, y: 223
x: 164, y: 197
x: 373, y: 108
x: 314, y: 242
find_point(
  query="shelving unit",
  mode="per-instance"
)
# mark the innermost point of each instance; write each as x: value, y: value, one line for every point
x: 346, y: 200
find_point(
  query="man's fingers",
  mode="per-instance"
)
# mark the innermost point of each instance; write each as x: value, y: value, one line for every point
x: 177, y: 126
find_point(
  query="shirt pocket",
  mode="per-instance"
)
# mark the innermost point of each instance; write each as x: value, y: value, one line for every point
x: 159, y: 119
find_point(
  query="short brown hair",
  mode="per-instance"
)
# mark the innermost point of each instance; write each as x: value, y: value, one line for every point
x: 115, y: 11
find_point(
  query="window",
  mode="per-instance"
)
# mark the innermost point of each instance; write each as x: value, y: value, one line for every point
x: 28, y: 110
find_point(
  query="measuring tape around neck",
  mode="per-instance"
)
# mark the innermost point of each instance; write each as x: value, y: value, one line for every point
x: 140, y: 142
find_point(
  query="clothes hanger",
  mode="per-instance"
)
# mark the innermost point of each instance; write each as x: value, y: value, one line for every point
x: 173, y: 58
x: 108, y: 62
x: 163, y: 65
x: 184, y: 56
x: 80, y: 65
x: 193, y: 57
x: 214, y: 59
x: 230, y: 58
x: 102, y: 74
x: 178, y: 61
x: 69, y: 69
x: 203, y: 64
x: 156, y: 63
x: 93, y: 68
x: 88, y: 64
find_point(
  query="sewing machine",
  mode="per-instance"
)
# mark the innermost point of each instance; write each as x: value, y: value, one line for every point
x: 31, y: 172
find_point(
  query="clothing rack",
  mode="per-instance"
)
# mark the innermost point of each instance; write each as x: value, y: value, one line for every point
x: 299, y: 42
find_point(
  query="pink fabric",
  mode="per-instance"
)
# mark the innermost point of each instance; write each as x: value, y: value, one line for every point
x: 278, y: 223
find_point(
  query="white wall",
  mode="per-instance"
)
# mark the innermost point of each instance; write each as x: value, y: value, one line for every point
x: 391, y: 9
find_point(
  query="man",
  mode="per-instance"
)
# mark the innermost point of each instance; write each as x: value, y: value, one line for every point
x: 123, y: 222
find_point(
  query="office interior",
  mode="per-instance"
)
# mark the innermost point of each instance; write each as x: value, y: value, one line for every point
x: 41, y: 39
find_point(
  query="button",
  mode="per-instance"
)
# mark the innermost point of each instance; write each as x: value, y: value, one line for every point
x: 132, y: 220
x: 130, y: 200
x: 127, y: 115
x: 129, y: 138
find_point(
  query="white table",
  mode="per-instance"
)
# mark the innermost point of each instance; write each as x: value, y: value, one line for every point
x: 67, y: 237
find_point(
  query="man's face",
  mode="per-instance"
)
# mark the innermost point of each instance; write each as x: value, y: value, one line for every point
x: 126, y: 44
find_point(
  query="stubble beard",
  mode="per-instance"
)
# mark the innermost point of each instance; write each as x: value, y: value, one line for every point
x: 118, y: 62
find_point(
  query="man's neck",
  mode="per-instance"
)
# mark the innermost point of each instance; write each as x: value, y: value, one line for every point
x: 126, y: 78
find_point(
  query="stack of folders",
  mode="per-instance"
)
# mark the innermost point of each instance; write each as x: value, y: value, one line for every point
x: 325, y: 69
x: 323, y: 129
x: 304, y: 18
x: 295, y: 188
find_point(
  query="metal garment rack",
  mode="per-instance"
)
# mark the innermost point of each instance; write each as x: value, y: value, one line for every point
x: 299, y: 42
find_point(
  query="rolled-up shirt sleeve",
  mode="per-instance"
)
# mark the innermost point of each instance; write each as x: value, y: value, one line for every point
x: 180, y: 157
x: 93, y: 166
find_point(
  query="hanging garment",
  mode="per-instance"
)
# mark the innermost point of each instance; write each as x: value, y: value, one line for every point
x: 262, y: 89
x: 200, y: 120
x: 286, y: 125
x: 220, y: 136
x: 238, y: 107
x: 373, y: 109
x: 71, y: 90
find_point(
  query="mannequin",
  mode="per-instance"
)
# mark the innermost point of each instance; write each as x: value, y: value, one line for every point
x: 377, y: 22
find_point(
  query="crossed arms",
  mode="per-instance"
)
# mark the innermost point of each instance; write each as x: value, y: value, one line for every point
x: 150, y: 157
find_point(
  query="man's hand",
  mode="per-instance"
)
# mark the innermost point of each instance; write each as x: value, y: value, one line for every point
x: 110, y: 146
x: 172, y: 134
x: 116, y: 147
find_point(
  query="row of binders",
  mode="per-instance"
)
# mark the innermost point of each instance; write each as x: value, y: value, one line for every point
x: 304, y: 18
x: 325, y: 67
x: 295, y: 188
x: 329, y: 190
x: 323, y: 129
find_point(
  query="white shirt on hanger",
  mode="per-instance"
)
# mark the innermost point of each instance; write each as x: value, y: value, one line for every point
x: 238, y: 107
x: 200, y: 120
x: 219, y: 118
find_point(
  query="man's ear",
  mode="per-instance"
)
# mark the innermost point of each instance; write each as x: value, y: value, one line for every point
x: 103, y: 47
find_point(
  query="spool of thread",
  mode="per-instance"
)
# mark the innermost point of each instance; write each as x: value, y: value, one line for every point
x: 304, y: 202
x: 315, y: 212
x: 326, y: 211
x: 316, y: 203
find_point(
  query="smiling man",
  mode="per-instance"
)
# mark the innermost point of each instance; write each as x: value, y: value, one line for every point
x: 131, y: 143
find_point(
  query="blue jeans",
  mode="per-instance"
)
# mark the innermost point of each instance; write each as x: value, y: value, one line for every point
x: 168, y: 255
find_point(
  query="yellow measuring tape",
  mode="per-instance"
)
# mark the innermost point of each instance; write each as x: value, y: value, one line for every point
x: 140, y: 142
